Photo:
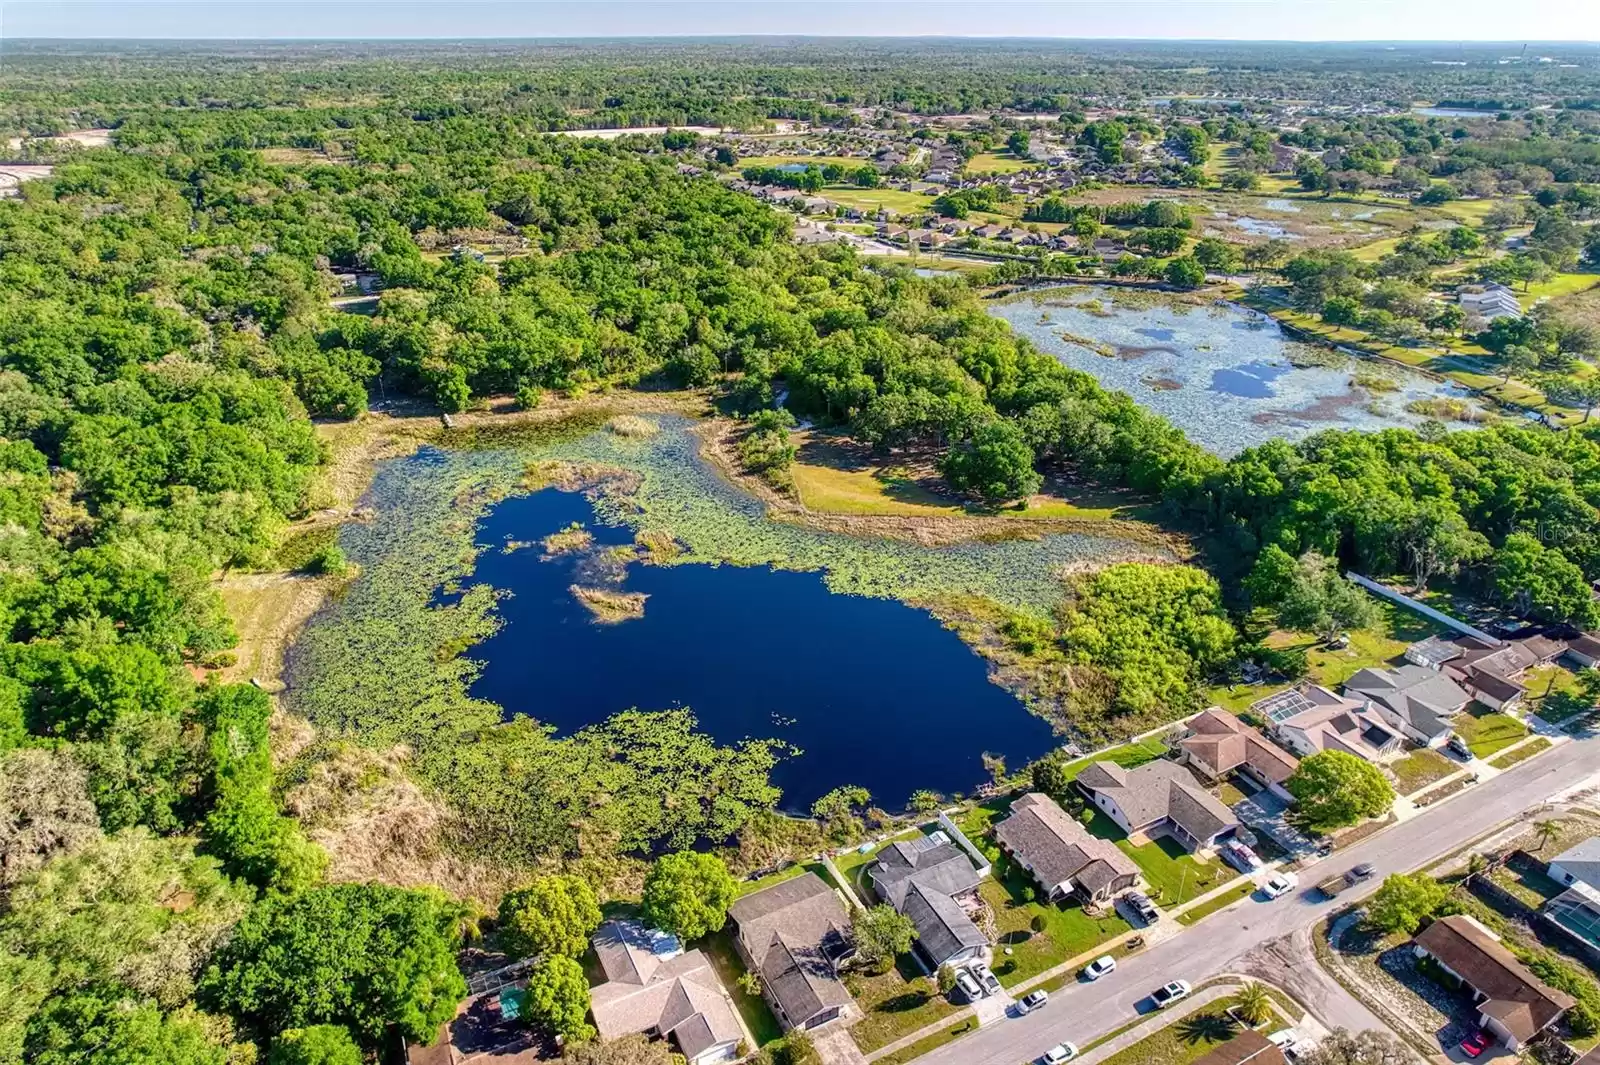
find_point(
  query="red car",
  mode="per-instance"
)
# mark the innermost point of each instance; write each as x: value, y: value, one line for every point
x: 1475, y: 1044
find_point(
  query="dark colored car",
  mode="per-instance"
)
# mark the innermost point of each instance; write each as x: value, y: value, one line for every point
x: 1361, y: 872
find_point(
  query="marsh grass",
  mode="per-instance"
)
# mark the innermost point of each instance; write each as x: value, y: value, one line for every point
x: 610, y: 607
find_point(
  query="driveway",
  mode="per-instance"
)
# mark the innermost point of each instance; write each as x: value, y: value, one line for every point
x: 836, y: 1047
x: 1265, y: 813
x: 1226, y: 943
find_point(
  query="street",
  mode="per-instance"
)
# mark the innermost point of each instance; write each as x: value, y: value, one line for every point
x: 1234, y: 941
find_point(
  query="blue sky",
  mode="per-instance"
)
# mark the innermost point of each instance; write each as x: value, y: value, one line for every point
x: 1386, y: 20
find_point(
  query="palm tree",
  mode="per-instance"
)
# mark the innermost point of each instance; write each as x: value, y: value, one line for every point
x: 1546, y: 832
x: 1252, y: 1003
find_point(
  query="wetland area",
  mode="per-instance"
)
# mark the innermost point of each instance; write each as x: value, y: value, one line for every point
x: 1229, y: 377
x: 592, y: 572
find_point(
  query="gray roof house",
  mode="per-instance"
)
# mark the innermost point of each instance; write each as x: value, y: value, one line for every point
x: 1060, y: 853
x: 1415, y: 699
x: 1158, y: 795
x: 1578, y: 864
x: 926, y: 879
x: 795, y: 935
x: 655, y: 987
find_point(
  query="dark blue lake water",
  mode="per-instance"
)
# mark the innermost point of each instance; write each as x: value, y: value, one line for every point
x: 873, y: 692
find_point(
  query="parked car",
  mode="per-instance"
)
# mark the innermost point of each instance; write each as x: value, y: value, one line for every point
x: 1279, y: 884
x: 968, y: 985
x: 1105, y: 963
x: 1287, y: 1040
x: 1167, y: 994
x: 1476, y: 1043
x: 989, y: 982
x: 1032, y: 1001
x: 1060, y: 1053
x: 1142, y: 907
x: 1458, y: 746
x: 1240, y: 857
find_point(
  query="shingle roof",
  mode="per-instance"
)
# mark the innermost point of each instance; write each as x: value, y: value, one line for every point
x: 1246, y: 1048
x: 1225, y: 743
x: 943, y: 927
x: 1414, y: 693
x: 1582, y: 861
x: 1158, y: 790
x: 793, y: 932
x: 1516, y: 998
x: 680, y: 996
x: 944, y: 868
x: 1059, y: 849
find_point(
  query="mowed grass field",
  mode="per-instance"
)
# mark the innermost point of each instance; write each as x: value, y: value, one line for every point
x: 1002, y: 162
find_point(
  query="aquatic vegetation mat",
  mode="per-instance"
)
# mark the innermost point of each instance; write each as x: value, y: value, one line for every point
x: 389, y: 663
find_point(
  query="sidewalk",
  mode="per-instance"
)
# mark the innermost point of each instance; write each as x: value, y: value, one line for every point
x: 1155, y: 1022
x: 1152, y: 934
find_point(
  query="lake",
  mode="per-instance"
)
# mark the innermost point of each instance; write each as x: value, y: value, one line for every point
x: 873, y: 692
x: 1229, y: 377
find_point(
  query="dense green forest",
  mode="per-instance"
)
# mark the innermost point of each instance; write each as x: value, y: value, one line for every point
x: 166, y: 335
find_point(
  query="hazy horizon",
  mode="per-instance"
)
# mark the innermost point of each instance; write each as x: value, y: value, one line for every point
x: 1376, y: 22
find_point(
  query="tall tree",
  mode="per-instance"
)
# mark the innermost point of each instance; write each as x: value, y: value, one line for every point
x: 881, y: 935
x: 1333, y: 789
x: 553, y: 915
x: 688, y: 894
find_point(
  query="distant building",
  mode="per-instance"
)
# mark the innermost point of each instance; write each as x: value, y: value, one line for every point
x: 1491, y: 302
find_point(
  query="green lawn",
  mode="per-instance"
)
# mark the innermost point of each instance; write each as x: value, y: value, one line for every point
x: 896, y: 1004
x: 1221, y: 902
x: 1417, y: 770
x: 753, y: 1008
x: 1173, y: 874
x: 1180, y: 1042
x: 869, y: 200
x: 928, y: 1045
x: 750, y: 887
x: 1002, y: 162
x: 1068, y: 931
x: 1486, y: 731
x: 1558, y: 286
x: 1526, y: 751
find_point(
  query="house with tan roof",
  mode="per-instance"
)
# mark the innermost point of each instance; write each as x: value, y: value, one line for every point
x: 1247, y: 1048
x: 795, y: 936
x: 1157, y: 797
x: 1061, y: 854
x: 1219, y: 744
x: 655, y: 987
x: 1512, y: 1003
x: 1310, y: 718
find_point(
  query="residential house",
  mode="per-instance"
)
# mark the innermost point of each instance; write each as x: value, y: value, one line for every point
x: 931, y: 881
x: 1512, y: 1003
x: 992, y: 231
x: 1310, y: 718
x: 1489, y: 670
x: 1061, y: 854
x: 1584, y: 649
x: 1159, y: 796
x: 1247, y: 1048
x: 1219, y: 744
x: 656, y: 987
x: 1415, y: 699
x: 817, y: 205
x: 1577, y: 909
x: 1578, y: 864
x: 795, y: 935
x: 1490, y: 302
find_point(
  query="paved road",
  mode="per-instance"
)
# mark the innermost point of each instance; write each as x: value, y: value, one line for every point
x: 1223, y: 944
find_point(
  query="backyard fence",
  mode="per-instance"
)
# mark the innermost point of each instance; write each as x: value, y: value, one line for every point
x: 1421, y: 608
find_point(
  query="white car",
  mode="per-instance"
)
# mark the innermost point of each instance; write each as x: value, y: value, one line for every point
x: 986, y: 979
x: 968, y: 985
x: 1060, y: 1053
x: 1279, y: 884
x: 1105, y: 963
x: 1167, y: 994
x: 1288, y: 1041
x: 1031, y: 1001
